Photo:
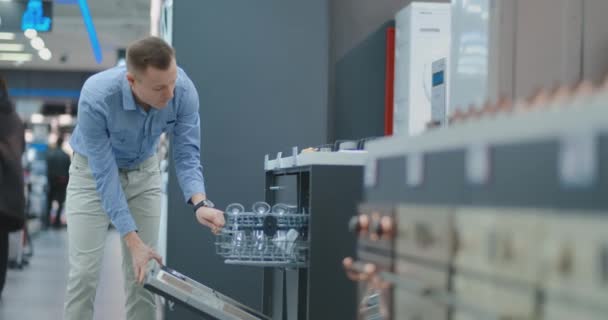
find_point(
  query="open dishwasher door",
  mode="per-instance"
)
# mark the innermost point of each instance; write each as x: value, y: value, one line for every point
x: 199, y: 298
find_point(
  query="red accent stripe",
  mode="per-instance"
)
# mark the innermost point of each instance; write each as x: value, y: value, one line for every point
x: 389, y: 81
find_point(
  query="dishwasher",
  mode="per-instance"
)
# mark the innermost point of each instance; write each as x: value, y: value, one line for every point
x: 296, y: 235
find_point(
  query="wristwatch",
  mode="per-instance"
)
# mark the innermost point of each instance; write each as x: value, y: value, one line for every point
x: 204, y: 203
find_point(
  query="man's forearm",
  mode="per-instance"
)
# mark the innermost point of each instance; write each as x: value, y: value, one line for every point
x: 132, y: 239
x: 198, y: 197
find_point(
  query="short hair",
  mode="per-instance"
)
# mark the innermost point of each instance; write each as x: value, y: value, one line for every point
x: 149, y: 52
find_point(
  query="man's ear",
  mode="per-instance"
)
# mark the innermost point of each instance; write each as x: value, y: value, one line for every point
x: 130, y: 78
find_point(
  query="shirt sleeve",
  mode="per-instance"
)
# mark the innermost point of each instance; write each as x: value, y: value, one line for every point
x: 93, y: 127
x: 186, y: 143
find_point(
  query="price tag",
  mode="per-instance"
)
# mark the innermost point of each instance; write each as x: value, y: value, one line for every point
x: 370, y: 174
x: 414, y: 169
x: 478, y: 164
x: 578, y: 159
x: 279, y: 162
x: 294, y: 151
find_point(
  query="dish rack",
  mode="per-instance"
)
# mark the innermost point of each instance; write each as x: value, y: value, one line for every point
x: 264, y: 240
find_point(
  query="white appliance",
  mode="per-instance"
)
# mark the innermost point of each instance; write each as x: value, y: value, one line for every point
x: 512, y: 48
x: 422, y: 36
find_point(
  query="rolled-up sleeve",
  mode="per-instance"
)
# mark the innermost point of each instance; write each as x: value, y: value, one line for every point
x: 186, y: 143
x: 93, y: 123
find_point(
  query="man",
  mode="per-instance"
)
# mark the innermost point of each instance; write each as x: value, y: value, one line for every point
x: 115, y: 177
x: 57, y: 168
x: 12, y: 198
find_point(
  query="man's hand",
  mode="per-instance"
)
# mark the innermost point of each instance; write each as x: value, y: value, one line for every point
x: 140, y: 255
x: 211, y: 217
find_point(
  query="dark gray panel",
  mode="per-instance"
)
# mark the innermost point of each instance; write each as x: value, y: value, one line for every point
x: 443, y: 183
x: 335, y: 192
x: 522, y: 175
x: 359, y: 88
x: 288, y: 189
x: 528, y: 175
x: 444, y: 180
x: 391, y: 181
x: 261, y: 72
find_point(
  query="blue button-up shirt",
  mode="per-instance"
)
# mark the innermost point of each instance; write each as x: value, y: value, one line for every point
x: 114, y: 132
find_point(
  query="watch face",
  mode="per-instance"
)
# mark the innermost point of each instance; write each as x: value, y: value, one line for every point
x: 208, y: 203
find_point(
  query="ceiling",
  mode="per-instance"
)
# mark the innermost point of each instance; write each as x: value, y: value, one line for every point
x: 117, y: 23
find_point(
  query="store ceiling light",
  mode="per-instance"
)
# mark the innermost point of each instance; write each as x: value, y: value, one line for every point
x: 45, y: 54
x: 65, y: 120
x: 7, y: 36
x: 30, y: 33
x: 11, y: 47
x: 37, y: 118
x: 37, y: 43
x: 15, y: 56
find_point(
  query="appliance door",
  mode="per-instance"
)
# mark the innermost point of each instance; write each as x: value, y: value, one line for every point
x: 199, y: 298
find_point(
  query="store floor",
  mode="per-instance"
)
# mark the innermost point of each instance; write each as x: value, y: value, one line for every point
x: 38, y: 290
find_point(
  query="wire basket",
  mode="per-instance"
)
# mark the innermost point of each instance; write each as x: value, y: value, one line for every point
x: 266, y: 222
x: 267, y: 240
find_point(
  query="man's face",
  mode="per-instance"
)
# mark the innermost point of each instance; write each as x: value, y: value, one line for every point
x: 153, y: 86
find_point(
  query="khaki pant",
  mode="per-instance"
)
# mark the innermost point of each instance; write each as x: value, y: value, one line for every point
x: 87, y: 229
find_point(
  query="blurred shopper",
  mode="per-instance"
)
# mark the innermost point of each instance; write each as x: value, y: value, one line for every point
x: 12, y: 199
x: 115, y: 176
x: 58, y: 167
